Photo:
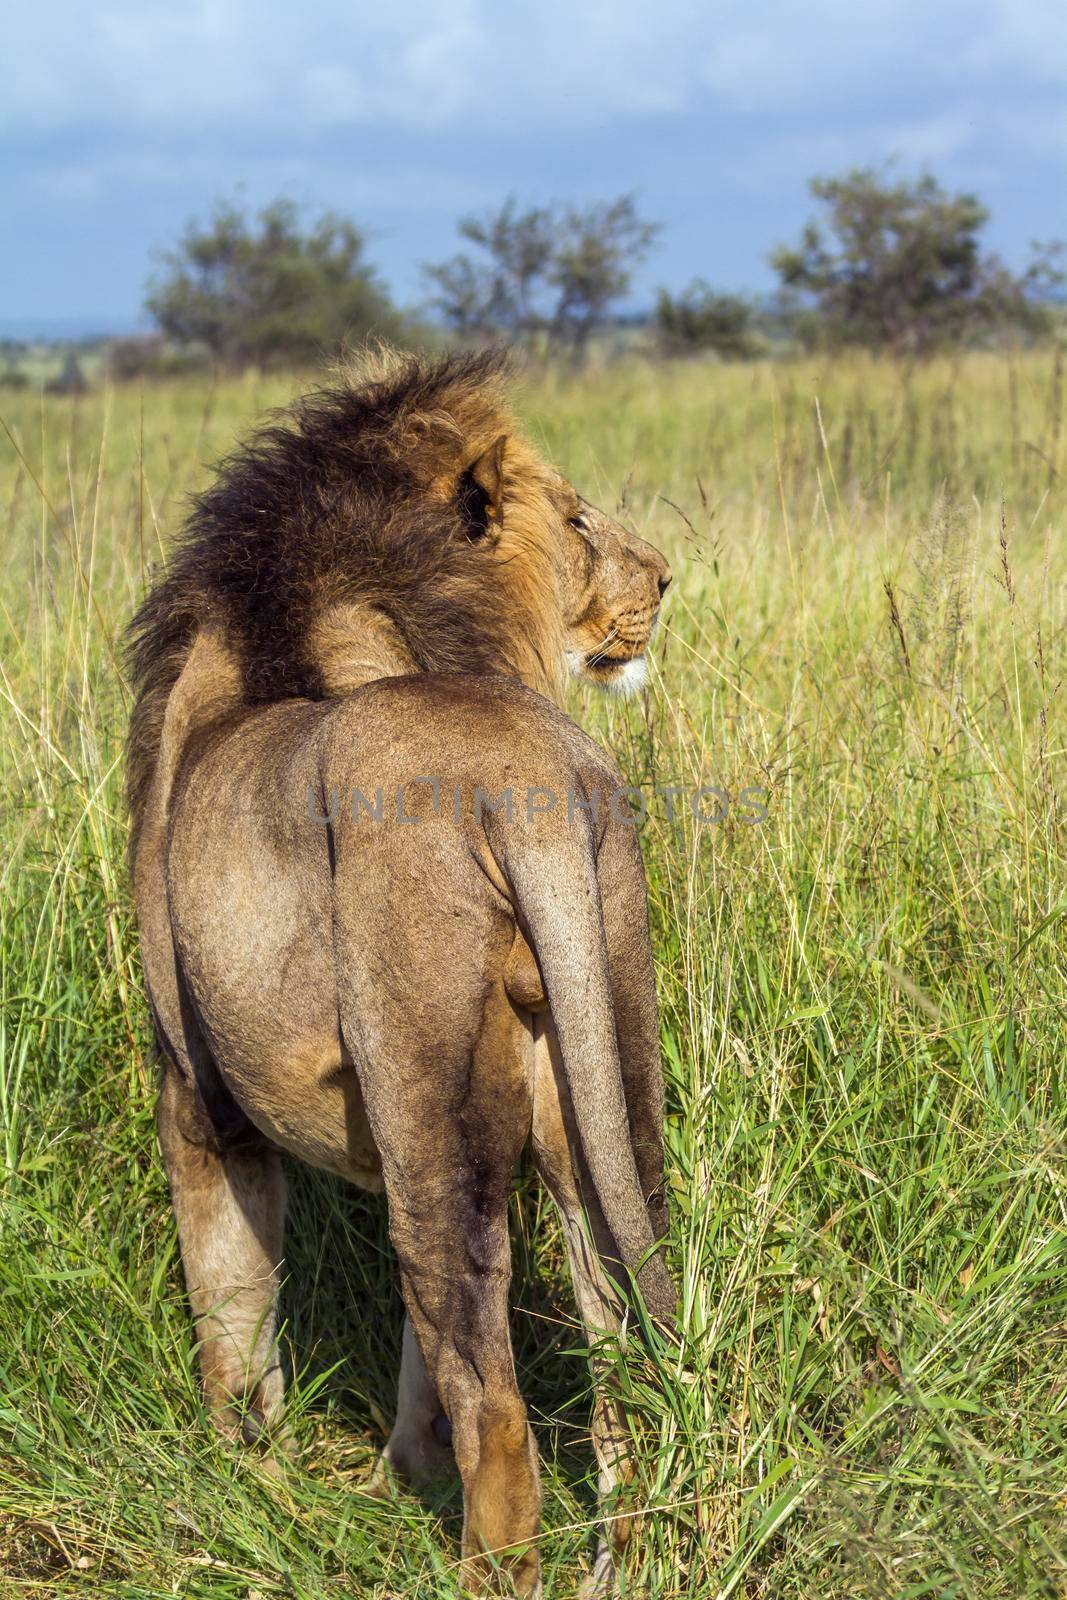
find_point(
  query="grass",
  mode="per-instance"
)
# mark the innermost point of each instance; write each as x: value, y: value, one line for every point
x: 863, y: 1001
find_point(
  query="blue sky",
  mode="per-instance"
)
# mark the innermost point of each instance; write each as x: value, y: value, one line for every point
x: 121, y: 119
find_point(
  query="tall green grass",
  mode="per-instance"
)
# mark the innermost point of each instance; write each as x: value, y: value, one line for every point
x: 863, y: 1007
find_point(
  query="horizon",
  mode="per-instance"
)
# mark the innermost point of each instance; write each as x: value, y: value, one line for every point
x: 121, y: 127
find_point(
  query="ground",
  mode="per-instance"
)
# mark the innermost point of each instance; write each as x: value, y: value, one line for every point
x: 862, y: 971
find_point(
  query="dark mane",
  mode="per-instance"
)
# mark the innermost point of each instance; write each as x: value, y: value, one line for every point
x: 350, y: 495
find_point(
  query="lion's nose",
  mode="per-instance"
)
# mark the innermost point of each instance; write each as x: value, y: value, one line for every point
x: 664, y: 580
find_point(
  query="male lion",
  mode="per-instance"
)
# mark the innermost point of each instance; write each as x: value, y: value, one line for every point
x: 381, y: 596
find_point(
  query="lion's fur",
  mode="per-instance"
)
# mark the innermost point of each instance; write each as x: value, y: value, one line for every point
x: 349, y: 498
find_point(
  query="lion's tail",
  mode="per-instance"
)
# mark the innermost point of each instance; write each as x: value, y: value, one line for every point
x: 558, y: 894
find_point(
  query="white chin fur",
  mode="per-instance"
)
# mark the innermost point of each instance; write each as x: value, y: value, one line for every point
x: 631, y: 678
x: 627, y: 680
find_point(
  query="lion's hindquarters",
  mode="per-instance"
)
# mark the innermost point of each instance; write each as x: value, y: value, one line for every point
x: 249, y: 891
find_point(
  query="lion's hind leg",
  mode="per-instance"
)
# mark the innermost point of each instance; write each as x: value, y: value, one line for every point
x: 228, y: 1192
x: 447, y: 1089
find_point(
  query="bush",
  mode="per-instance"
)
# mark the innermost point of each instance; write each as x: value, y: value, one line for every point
x: 701, y: 319
x: 152, y: 356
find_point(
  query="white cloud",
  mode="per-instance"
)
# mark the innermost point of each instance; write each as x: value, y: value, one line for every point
x: 795, y: 54
x: 428, y: 64
x: 769, y: 162
x: 253, y: 63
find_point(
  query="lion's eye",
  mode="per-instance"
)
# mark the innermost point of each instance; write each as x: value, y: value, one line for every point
x: 577, y: 521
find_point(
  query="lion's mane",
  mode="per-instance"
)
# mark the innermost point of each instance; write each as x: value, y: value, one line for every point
x: 355, y: 496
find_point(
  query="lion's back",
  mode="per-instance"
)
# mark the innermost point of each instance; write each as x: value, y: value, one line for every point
x: 461, y: 724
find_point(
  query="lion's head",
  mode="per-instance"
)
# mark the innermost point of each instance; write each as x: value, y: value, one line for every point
x: 590, y: 590
x: 612, y: 590
x: 395, y: 522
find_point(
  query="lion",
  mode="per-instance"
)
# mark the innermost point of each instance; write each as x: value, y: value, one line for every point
x: 383, y: 594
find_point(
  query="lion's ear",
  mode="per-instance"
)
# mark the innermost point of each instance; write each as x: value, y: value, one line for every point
x: 481, y: 490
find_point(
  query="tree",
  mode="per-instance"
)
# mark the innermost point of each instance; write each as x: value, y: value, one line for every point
x: 700, y: 319
x: 466, y: 297
x: 903, y: 267
x: 542, y: 271
x: 267, y: 290
x: 596, y: 252
x: 505, y: 292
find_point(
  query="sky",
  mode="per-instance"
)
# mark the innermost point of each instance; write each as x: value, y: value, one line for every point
x: 122, y: 119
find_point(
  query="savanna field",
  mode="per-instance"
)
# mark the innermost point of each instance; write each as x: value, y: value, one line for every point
x: 863, y: 1001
